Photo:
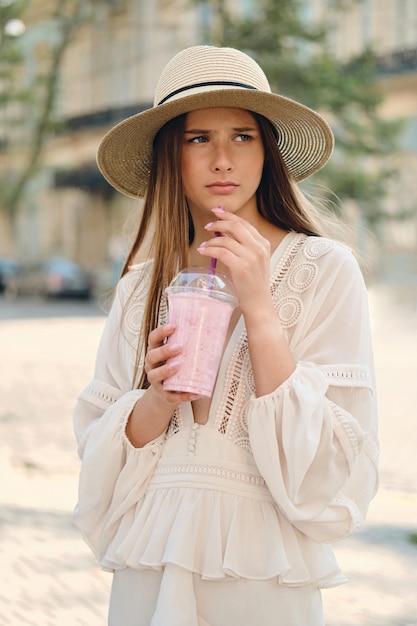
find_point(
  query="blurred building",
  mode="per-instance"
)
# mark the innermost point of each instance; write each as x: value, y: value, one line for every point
x: 110, y: 71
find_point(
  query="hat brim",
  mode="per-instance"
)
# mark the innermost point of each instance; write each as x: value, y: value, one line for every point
x: 305, y: 139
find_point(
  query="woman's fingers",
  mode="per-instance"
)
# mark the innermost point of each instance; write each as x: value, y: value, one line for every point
x: 233, y: 225
x: 158, y: 349
x: 159, y: 335
x: 240, y: 244
x: 245, y: 253
x: 158, y: 369
x: 235, y: 229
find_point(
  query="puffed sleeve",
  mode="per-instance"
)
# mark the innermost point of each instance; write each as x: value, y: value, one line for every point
x: 314, y: 438
x: 113, y: 474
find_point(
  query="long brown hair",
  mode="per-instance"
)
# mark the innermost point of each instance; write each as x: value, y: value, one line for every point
x: 279, y: 200
x: 166, y: 229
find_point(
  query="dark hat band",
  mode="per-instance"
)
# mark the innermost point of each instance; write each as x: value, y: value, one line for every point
x: 206, y: 84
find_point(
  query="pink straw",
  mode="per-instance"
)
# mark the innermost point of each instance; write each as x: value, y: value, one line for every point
x: 213, y: 262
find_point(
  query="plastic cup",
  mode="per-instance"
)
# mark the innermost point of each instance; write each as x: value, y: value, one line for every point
x: 200, y: 304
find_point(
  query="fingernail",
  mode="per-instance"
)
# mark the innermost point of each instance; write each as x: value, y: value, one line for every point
x: 168, y: 327
x: 175, y: 347
x: 173, y: 365
x: 208, y: 225
x: 218, y: 209
x: 202, y: 245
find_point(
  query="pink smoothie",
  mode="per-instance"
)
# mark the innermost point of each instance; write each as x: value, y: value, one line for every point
x: 201, y: 326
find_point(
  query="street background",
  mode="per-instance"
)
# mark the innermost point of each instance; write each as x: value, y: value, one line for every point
x: 47, y: 574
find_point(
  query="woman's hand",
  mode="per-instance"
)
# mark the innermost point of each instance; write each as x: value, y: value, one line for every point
x: 247, y: 256
x: 157, y: 369
x: 245, y: 253
x: 153, y: 411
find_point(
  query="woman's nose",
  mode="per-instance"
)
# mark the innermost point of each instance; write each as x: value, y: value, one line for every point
x: 221, y: 160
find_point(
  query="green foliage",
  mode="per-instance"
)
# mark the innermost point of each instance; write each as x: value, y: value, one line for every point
x: 10, y: 53
x: 29, y: 106
x: 296, y: 57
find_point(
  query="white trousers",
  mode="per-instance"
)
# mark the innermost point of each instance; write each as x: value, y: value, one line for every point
x: 176, y: 597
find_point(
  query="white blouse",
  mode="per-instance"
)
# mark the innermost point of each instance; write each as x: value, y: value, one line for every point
x: 260, y: 490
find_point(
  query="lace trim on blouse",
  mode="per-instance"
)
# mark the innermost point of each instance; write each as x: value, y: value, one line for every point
x: 209, y: 476
x: 343, y: 376
x: 349, y: 436
x: 100, y: 394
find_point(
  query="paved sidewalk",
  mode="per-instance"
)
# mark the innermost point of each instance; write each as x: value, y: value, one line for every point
x: 48, y: 576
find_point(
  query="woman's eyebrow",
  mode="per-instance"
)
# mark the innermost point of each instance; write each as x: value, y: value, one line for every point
x: 246, y: 129
x: 196, y: 131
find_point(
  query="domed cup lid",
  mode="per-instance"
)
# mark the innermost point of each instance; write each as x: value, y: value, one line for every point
x: 204, y: 282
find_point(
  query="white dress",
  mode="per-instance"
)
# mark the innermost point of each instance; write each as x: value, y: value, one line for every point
x: 230, y: 522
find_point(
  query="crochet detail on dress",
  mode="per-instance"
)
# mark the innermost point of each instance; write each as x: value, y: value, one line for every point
x: 289, y: 311
x: 352, y: 507
x: 239, y: 381
x: 106, y: 397
x: 216, y: 471
x: 302, y: 276
x: 341, y: 375
x: 299, y: 270
x: 315, y: 247
x: 344, y: 428
x: 176, y: 423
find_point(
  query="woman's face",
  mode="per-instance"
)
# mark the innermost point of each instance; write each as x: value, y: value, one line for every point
x: 222, y: 160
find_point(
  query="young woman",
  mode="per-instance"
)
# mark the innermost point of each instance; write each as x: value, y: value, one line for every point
x: 219, y: 511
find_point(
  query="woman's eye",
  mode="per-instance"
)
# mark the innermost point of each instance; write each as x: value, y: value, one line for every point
x: 243, y: 137
x: 198, y: 139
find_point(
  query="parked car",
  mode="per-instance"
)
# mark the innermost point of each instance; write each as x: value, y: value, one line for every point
x: 8, y: 268
x: 51, y: 278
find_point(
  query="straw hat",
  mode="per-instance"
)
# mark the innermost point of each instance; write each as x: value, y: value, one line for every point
x: 205, y: 76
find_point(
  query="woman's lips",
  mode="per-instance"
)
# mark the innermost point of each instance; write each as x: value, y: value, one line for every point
x: 222, y: 187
